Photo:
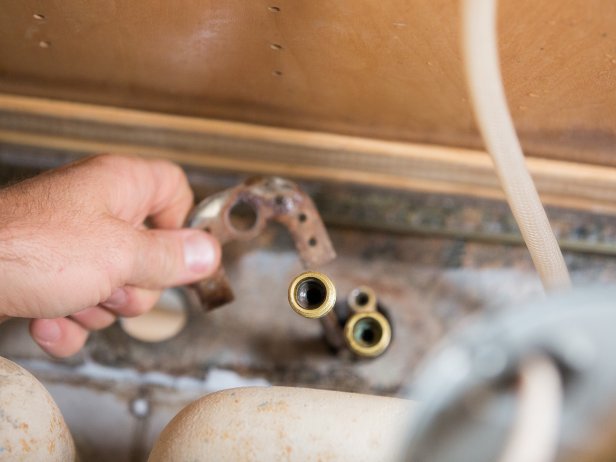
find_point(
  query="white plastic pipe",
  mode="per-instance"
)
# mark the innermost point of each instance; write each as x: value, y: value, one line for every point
x: 31, y: 426
x: 534, y: 437
x: 290, y: 424
x: 496, y: 127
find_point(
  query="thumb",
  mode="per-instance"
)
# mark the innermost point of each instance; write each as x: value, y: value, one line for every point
x: 165, y: 258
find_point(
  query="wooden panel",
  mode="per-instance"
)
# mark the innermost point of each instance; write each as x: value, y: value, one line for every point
x: 388, y: 69
x: 239, y: 147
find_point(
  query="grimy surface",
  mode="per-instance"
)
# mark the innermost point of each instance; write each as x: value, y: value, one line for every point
x: 432, y: 261
x: 428, y: 285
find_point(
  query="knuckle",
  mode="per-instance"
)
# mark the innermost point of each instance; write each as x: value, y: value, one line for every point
x: 169, y: 255
x: 139, y: 302
x: 175, y: 178
x: 120, y: 255
x: 106, y: 160
x: 115, y: 165
x: 134, y: 309
x: 172, y: 167
x: 172, y: 171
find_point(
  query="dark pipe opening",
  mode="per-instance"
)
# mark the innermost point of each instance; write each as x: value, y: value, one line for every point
x: 367, y: 332
x: 311, y: 293
x: 362, y: 299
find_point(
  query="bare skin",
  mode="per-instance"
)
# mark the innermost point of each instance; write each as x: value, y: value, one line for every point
x: 75, y: 254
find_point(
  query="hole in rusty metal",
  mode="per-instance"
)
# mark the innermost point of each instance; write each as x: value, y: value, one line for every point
x: 311, y: 293
x: 302, y: 217
x: 279, y: 200
x: 243, y: 216
x: 312, y: 242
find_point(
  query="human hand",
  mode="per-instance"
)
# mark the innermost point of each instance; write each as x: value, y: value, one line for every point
x: 75, y: 254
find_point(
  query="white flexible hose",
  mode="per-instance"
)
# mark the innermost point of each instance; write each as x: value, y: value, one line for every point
x: 496, y: 127
x: 534, y: 437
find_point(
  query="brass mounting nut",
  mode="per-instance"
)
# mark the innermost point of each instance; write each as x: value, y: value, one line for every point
x: 367, y: 334
x: 312, y: 295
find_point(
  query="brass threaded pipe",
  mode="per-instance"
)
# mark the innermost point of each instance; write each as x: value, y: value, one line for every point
x: 362, y: 299
x: 367, y: 334
x: 312, y: 295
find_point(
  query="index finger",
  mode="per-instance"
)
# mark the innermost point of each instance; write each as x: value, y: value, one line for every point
x: 142, y: 188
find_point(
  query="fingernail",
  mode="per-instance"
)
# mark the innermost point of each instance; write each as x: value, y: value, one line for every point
x: 47, y: 331
x: 199, y: 252
x: 117, y: 299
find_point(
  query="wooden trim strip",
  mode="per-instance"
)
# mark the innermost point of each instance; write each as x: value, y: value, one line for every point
x: 239, y: 147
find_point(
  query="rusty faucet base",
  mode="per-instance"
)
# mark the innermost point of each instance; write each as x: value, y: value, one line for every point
x: 266, y: 199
